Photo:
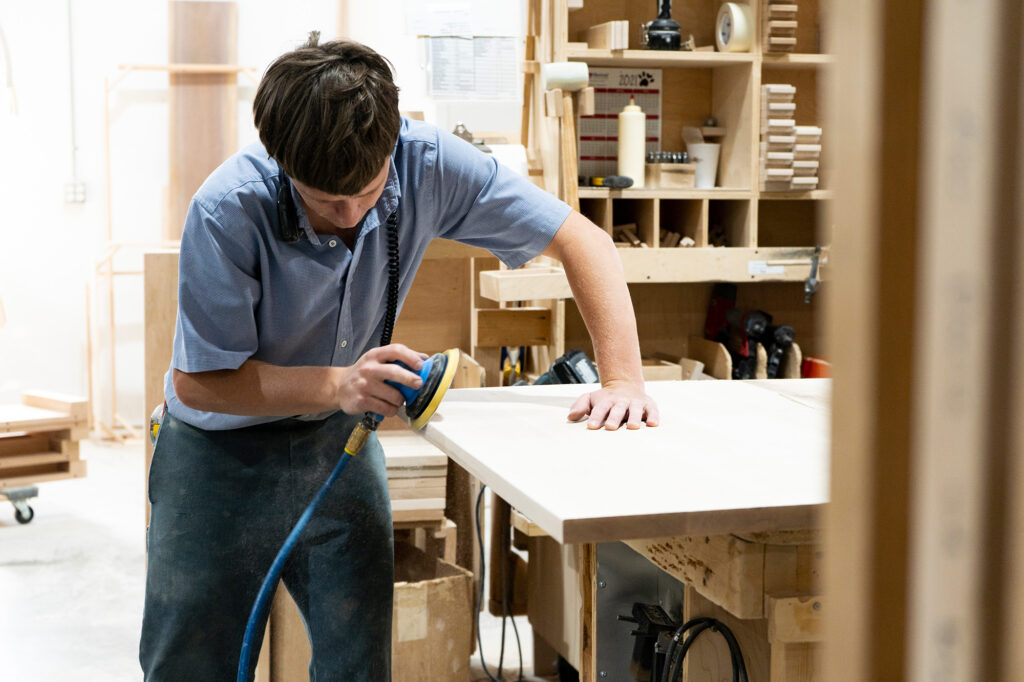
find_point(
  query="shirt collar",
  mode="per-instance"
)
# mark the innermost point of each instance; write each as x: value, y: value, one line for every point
x: 386, y: 204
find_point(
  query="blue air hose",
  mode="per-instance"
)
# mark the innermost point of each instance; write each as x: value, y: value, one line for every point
x: 259, y: 608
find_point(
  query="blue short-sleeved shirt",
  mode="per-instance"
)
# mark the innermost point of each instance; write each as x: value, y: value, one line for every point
x: 244, y: 293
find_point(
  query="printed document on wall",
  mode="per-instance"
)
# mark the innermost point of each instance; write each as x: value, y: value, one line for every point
x: 472, y: 68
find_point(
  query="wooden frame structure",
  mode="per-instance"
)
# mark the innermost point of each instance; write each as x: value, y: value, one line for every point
x: 104, y: 269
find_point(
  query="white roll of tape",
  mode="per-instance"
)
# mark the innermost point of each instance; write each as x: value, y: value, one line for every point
x: 734, y: 29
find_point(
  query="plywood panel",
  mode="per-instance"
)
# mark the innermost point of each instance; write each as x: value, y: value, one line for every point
x: 666, y: 315
x: 696, y: 473
x: 435, y: 315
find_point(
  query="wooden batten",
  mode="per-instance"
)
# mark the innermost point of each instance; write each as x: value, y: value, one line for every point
x: 160, y: 293
x: 75, y: 406
x: 203, y: 107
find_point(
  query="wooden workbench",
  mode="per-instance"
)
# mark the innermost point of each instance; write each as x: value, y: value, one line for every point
x: 725, y: 495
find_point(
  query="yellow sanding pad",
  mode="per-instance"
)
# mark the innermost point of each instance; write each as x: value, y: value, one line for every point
x: 452, y: 354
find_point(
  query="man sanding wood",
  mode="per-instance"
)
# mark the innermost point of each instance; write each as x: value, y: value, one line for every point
x: 283, y: 290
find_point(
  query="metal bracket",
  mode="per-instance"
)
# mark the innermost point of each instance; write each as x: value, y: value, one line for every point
x: 812, y: 282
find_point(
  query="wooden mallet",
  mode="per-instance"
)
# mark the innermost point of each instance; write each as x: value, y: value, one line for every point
x: 561, y: 80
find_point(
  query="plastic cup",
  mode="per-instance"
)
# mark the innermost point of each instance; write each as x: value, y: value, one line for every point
x: 705, y: 155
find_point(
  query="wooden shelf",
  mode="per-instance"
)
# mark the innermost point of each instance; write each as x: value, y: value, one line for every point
x: 797, y: 60
x: 652, y: 193
x: 709, y: 264
x: 662, y: 58
x: 656, y: 265
x: 818, y: 194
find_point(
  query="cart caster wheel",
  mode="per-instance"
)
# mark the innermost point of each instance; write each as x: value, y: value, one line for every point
x: 24, y: 518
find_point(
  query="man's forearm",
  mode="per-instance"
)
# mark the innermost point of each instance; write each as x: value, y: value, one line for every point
x: 594, y: 271
x: 260, y: 389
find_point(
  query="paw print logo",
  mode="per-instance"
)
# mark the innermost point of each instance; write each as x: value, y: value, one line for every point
x: 646, y: 78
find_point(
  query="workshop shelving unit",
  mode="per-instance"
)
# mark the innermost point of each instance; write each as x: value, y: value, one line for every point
x: 769, y: 237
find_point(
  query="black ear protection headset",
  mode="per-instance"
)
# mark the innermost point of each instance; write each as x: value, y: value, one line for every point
x: 290, y: 231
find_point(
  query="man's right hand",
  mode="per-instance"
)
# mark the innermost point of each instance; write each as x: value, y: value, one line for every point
x: 362, y: 388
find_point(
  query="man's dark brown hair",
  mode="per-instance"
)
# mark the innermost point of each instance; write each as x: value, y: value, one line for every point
x: 328, y: 114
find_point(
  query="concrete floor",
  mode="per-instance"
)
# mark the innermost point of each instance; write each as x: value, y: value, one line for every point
x: 72, y: 581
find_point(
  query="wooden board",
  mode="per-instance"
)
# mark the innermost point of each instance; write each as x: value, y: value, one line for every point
x: 160, y: 292
x: 42, y: 473
x: 729, y: 456
x: 430, y: 509
x: 15, y: 418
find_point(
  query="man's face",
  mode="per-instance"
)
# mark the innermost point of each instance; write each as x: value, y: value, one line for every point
x: 338, y: 210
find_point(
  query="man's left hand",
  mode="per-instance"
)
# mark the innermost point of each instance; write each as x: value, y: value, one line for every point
x: 615, y: 405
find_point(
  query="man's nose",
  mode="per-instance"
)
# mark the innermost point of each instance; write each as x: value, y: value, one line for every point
x: 349, y: 214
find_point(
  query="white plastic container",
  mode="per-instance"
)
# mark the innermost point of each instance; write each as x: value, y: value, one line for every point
x: 632, y: 143
x: 705, y: 155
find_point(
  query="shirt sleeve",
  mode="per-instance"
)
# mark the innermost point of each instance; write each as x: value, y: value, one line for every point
x: 218, y: 291
x: 483, y: 203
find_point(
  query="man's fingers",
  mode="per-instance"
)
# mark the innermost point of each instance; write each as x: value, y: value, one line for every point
x: 636, y: 414
x: 580, y: 408
x: 386, y: 394
x: 598, y: 412
x: 653, y: 416
x: 405, y: 354
x: 397, y: 351
x: 381, y: 407
x: 400, y: 375
x: 616, y: 414
x: 610, y: 409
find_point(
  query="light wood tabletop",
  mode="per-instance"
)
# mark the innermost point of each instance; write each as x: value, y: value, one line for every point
x: 729, y: 456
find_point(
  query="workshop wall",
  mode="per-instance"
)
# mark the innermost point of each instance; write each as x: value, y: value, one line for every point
x: 49, y: 248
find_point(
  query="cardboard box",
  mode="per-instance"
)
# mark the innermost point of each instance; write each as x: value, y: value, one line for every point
x: 431, y: 628
x: 431, y: 632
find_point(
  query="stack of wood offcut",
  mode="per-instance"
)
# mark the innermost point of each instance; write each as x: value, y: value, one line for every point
x: 417, y: 475
x: 790, y: 154
x: 611, y: 35
x: 779, y: 26
x: 39, y: 439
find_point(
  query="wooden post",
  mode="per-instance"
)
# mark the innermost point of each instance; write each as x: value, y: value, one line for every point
x: 922, y: 562
x: 866, y: 522
x: 203, y: 107
x: 968, y: 299
x: 586, y: 557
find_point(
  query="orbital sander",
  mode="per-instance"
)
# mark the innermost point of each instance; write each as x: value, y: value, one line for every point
x: 437, y: 374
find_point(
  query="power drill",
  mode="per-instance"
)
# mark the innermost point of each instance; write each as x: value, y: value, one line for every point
x: 738, y: 330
